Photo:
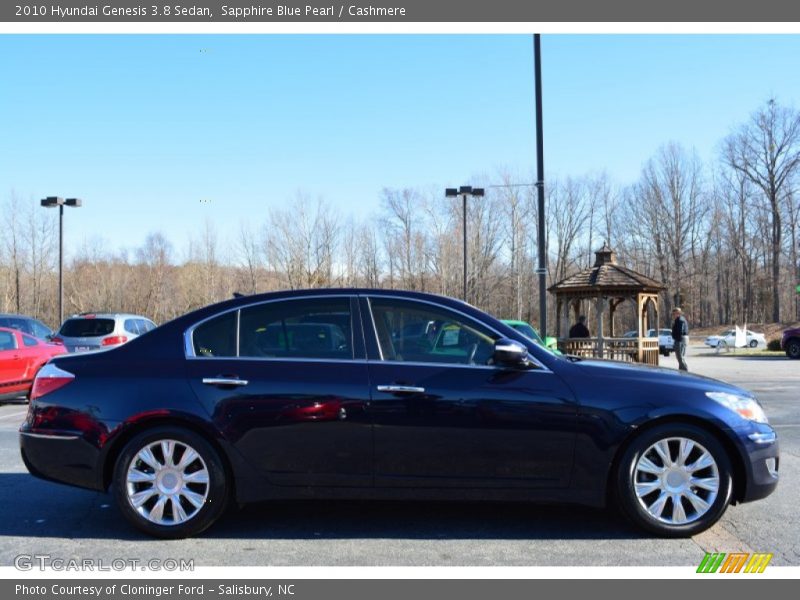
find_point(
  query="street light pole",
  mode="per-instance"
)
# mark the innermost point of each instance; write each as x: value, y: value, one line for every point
x: 464, y: 191
x: 52, y: 202
x: 542, y: 266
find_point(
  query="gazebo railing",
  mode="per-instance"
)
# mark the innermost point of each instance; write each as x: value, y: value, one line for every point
x: 644, y: 350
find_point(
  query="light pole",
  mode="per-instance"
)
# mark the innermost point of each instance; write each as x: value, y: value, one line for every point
x: 464, y: 191
x: 52, y: 202
x: 541, y: 270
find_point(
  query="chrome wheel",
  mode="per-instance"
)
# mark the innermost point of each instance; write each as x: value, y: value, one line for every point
x: 676, y: 480
x: 167, y: 482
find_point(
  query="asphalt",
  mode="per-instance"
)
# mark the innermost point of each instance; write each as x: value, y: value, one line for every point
x: 45, y: 518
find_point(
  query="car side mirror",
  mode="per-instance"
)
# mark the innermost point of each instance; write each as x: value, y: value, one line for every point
x: 510, y: 353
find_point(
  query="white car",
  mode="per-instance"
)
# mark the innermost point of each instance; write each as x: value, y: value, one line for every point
x: 727, y: 339
x: 665, y: 342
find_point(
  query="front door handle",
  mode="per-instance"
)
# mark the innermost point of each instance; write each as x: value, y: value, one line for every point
x: 401, y: 389
x: 224, y: 381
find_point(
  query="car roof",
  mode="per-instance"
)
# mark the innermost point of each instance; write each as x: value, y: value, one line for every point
x: 108, y: 315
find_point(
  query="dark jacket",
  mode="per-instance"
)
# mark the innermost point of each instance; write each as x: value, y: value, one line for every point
x: 579, y: 330
x: 680, y: 329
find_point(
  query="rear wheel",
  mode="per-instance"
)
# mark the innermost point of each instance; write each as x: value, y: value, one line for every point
x: 170, y: 483
x: 674, y: 480
x: 722, y: 345
x: 793, y: 349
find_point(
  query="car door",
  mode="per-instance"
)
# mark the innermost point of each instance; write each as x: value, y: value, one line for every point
x: 286, y: 382
x: 445, y: 417
x: 12, y: 364
x: 32, y: 355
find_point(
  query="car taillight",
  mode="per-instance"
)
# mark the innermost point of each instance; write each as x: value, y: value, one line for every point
x: 114, y: 340
x: 49, y: 379
x: 56, y: 340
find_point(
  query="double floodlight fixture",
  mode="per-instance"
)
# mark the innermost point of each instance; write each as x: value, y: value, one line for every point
x: 466, y: 190
x: 53, y: 201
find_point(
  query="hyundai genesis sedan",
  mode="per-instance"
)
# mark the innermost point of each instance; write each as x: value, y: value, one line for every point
x: 376, y: 394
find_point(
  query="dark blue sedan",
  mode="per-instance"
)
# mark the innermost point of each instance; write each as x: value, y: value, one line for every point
x: 384, y: 394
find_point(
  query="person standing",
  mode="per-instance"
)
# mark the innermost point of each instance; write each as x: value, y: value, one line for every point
x: 680, y: 333
x: 579, y: 330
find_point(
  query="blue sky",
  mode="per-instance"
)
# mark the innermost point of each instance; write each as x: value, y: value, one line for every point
x: 144, y: 127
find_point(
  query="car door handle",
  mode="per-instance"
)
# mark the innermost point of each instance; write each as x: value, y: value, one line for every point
x: 232, y: 381
x: 401, y: 389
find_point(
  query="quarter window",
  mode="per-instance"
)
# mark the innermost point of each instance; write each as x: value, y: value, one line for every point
x: 29, y: 340
x: 216, y: 337
x: 414, y: 332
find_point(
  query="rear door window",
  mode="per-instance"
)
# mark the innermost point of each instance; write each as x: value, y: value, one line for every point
x: 303, y: 328
x: 132, y: 326
x: 313, y: 328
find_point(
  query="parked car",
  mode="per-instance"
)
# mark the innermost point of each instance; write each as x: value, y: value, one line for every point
x: 790, y: 342
x: 727, y: 339
x: 529, y: 330
x: 94, y: 331
x: 195, y: 415
x: 27, y: 325
x: 665, y: 342
x: 21, y: 356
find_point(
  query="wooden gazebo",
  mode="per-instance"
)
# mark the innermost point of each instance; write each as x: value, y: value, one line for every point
x: 607, y: 285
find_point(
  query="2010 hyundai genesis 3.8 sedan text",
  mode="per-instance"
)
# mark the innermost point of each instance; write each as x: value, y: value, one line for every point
x: 384, y: 394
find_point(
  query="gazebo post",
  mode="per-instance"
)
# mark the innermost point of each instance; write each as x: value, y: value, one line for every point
x: 601, y: 304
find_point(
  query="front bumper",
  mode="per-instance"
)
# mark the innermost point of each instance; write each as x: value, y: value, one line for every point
x: 762, y: 463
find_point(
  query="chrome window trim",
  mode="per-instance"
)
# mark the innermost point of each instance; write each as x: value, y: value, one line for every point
x: 540, y: 367
x: 188, y: 335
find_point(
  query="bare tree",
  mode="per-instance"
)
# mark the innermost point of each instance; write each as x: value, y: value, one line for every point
x: 766, y: 150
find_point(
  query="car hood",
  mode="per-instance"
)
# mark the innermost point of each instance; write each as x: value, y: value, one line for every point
x: 627, y: 372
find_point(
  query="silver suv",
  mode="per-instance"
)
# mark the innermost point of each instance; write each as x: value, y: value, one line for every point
x: 96, y: 331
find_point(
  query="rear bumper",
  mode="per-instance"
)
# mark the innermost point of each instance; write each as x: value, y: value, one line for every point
x: 62, y: 457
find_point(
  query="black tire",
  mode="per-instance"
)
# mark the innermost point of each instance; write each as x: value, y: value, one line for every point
x: 636, y: 509
x: 753, y: 343
x: 215, y: 491
x: 722, y: 345
x: 793, y: 348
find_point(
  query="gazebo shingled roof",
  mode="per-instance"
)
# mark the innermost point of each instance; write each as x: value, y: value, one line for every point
x: 606, y: 277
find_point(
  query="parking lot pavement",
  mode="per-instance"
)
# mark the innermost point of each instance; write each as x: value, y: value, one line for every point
x: 45, y: 518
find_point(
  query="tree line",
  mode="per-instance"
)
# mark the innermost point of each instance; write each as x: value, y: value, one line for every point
x: 722, y: 236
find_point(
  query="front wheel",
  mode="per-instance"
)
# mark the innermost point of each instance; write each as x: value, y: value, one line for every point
x: 793, y: 349
x: 753, y: 343
x: 674, y: 480
x: 170, y: 483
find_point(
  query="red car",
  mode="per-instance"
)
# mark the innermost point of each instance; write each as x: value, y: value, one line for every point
x: 21, y: 357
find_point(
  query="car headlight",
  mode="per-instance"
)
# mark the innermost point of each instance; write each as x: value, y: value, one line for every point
x: 744, y: 406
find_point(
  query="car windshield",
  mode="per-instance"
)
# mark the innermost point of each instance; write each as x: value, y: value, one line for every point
x: 528, y: 331
x: 85, y: 327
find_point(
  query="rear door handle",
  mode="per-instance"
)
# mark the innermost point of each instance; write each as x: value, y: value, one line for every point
x: 401, y: 389
x: 224, y: 381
